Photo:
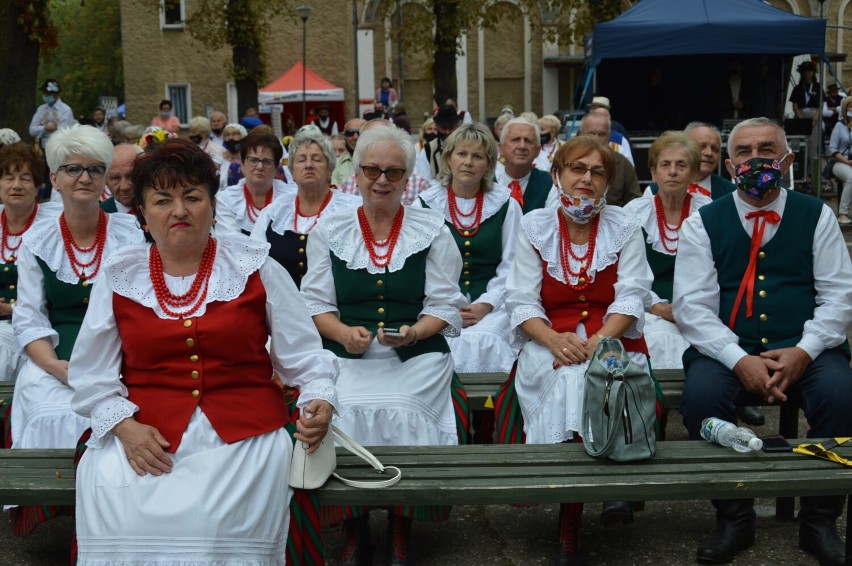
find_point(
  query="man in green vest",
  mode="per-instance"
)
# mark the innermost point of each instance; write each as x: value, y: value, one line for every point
x: 118, y: 179
x: 520, y: 144
x: 763, y: 293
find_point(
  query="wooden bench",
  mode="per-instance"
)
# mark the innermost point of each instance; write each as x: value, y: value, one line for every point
x: 499, y: 474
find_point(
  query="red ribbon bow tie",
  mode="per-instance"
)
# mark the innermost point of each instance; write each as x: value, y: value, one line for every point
x: 747, y: 284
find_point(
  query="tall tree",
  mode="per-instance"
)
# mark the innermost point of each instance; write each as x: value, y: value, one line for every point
x: 87, y: 63
x: 25, y: 30
x: 452, y: 18
x: 241, y: 25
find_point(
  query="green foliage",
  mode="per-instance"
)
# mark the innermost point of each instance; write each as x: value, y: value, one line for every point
x: 34, y: 18
x: 87, y: 63
x: 242, y: 25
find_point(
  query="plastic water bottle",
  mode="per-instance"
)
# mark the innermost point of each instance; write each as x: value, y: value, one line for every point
x: 724, y: 433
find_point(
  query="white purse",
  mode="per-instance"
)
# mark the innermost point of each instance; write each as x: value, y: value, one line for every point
x: 312, y: 471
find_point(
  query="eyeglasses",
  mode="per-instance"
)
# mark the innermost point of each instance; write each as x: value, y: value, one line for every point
x: 74, y: 170
x: 350, y: 133
x: 579, y: 168
x: 254, y: 162
x: 373, y: 173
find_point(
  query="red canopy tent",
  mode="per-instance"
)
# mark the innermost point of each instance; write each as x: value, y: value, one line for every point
x: 287, y: 90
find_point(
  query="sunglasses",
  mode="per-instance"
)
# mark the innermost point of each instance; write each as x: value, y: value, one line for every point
x: 350, y: 133
x: 373, y: 173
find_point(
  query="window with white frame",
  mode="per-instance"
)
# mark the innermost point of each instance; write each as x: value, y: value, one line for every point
x: 181, y: 97
x: 172, y: 14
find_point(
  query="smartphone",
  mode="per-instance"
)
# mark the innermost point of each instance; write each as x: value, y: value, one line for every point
x: 392, y: 332
x: 775, y: 444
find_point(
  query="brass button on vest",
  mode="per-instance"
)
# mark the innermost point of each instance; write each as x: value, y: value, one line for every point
x: 762, y: 294
x: 196, y: 393
x: 193, y: 358
x: 763, y: 317
x: 761, y: 255
x: 194, y: 374
x: 190, y: 342
x: 187, y: 323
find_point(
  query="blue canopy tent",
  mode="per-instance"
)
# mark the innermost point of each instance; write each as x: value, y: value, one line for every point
x: 652, y: 28
x: 690, y: 44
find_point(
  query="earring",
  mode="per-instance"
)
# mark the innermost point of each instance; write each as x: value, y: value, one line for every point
x: 144, y: 227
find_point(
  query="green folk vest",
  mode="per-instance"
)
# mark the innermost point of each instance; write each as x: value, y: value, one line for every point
x: 784, y: 292
x: 66, y: 307
x: 482, y: 253
x: 383, y: 300
x: 9, y: 282
x: 662, y: 265
x: 538, y: 187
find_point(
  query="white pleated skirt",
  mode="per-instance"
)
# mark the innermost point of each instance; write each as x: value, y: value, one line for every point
x: 222, y: 504
x: 665, y: 343
x: 10, y: 361
x: 390, y: 403
x: 41, y: 411
x: 551, y: 400
x: 485, y: 347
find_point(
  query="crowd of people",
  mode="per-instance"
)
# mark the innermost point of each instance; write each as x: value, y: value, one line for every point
x: 190, y: 307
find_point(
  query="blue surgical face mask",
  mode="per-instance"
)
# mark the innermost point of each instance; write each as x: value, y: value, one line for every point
x: 758, y: 177
x: 48, y: 99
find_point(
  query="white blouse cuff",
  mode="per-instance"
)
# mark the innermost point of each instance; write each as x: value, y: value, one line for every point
x: 632, y: 308
x: 314, y: 310
x: 520, y: 315
x: 28, y: 336
x: 450, y: 315
x: 319, y: 389
x: 106, y: 414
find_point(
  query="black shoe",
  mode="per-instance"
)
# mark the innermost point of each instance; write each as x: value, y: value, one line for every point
x: 817, y: 532
x: 734, y: 532
x: 820, y: 538
x: 357, y: 549
x: 616, y: 513
x: 399, y: 539
x: 570, y: 520
x: 751, y: 415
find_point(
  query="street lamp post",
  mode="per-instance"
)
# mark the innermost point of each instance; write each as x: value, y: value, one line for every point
x: 304, y: 12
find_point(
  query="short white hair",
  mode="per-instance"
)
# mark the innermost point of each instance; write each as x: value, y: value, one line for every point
x: 308, y: 137
x: 384, y: 136
x: 85, y: 141
x: 756, y: 123
x: 521, y: 121
x: 200, y: 123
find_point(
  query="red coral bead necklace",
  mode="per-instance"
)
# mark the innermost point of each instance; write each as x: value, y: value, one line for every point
x: 380, y: 260
x: 253, y: 211
x: 566, y: 253
x: 5, y: 244
x: 474, y: 217
x: 71, y: 248
x: 664, y: 227
x: 197, y: 292
x: 298, y: 213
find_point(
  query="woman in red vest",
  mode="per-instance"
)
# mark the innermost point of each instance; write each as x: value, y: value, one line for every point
x: 189, y: 458
x: 579, y: 274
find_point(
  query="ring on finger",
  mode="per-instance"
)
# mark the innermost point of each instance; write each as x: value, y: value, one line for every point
x: 564, y: 350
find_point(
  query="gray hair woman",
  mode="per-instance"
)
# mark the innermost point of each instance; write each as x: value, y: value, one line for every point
x: 484, y: 222
x: 287, y: 222
x: 58, y: 262
x: 382, y: 286
x: 674, y: 159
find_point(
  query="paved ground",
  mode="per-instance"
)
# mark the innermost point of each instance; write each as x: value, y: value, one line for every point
x: 665, y: 534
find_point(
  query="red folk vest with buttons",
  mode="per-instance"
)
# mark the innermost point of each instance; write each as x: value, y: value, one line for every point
x: 217, y: 362
x: 566, y: 307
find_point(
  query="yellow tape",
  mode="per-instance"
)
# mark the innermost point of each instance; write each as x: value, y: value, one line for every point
x: 824, y: 452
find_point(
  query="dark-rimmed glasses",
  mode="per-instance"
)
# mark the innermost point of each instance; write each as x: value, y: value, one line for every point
x: 350, y: 133
x: 74, y: 170
x: 255, y: 161
x: 393, y: 175
x: 579, y: 168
